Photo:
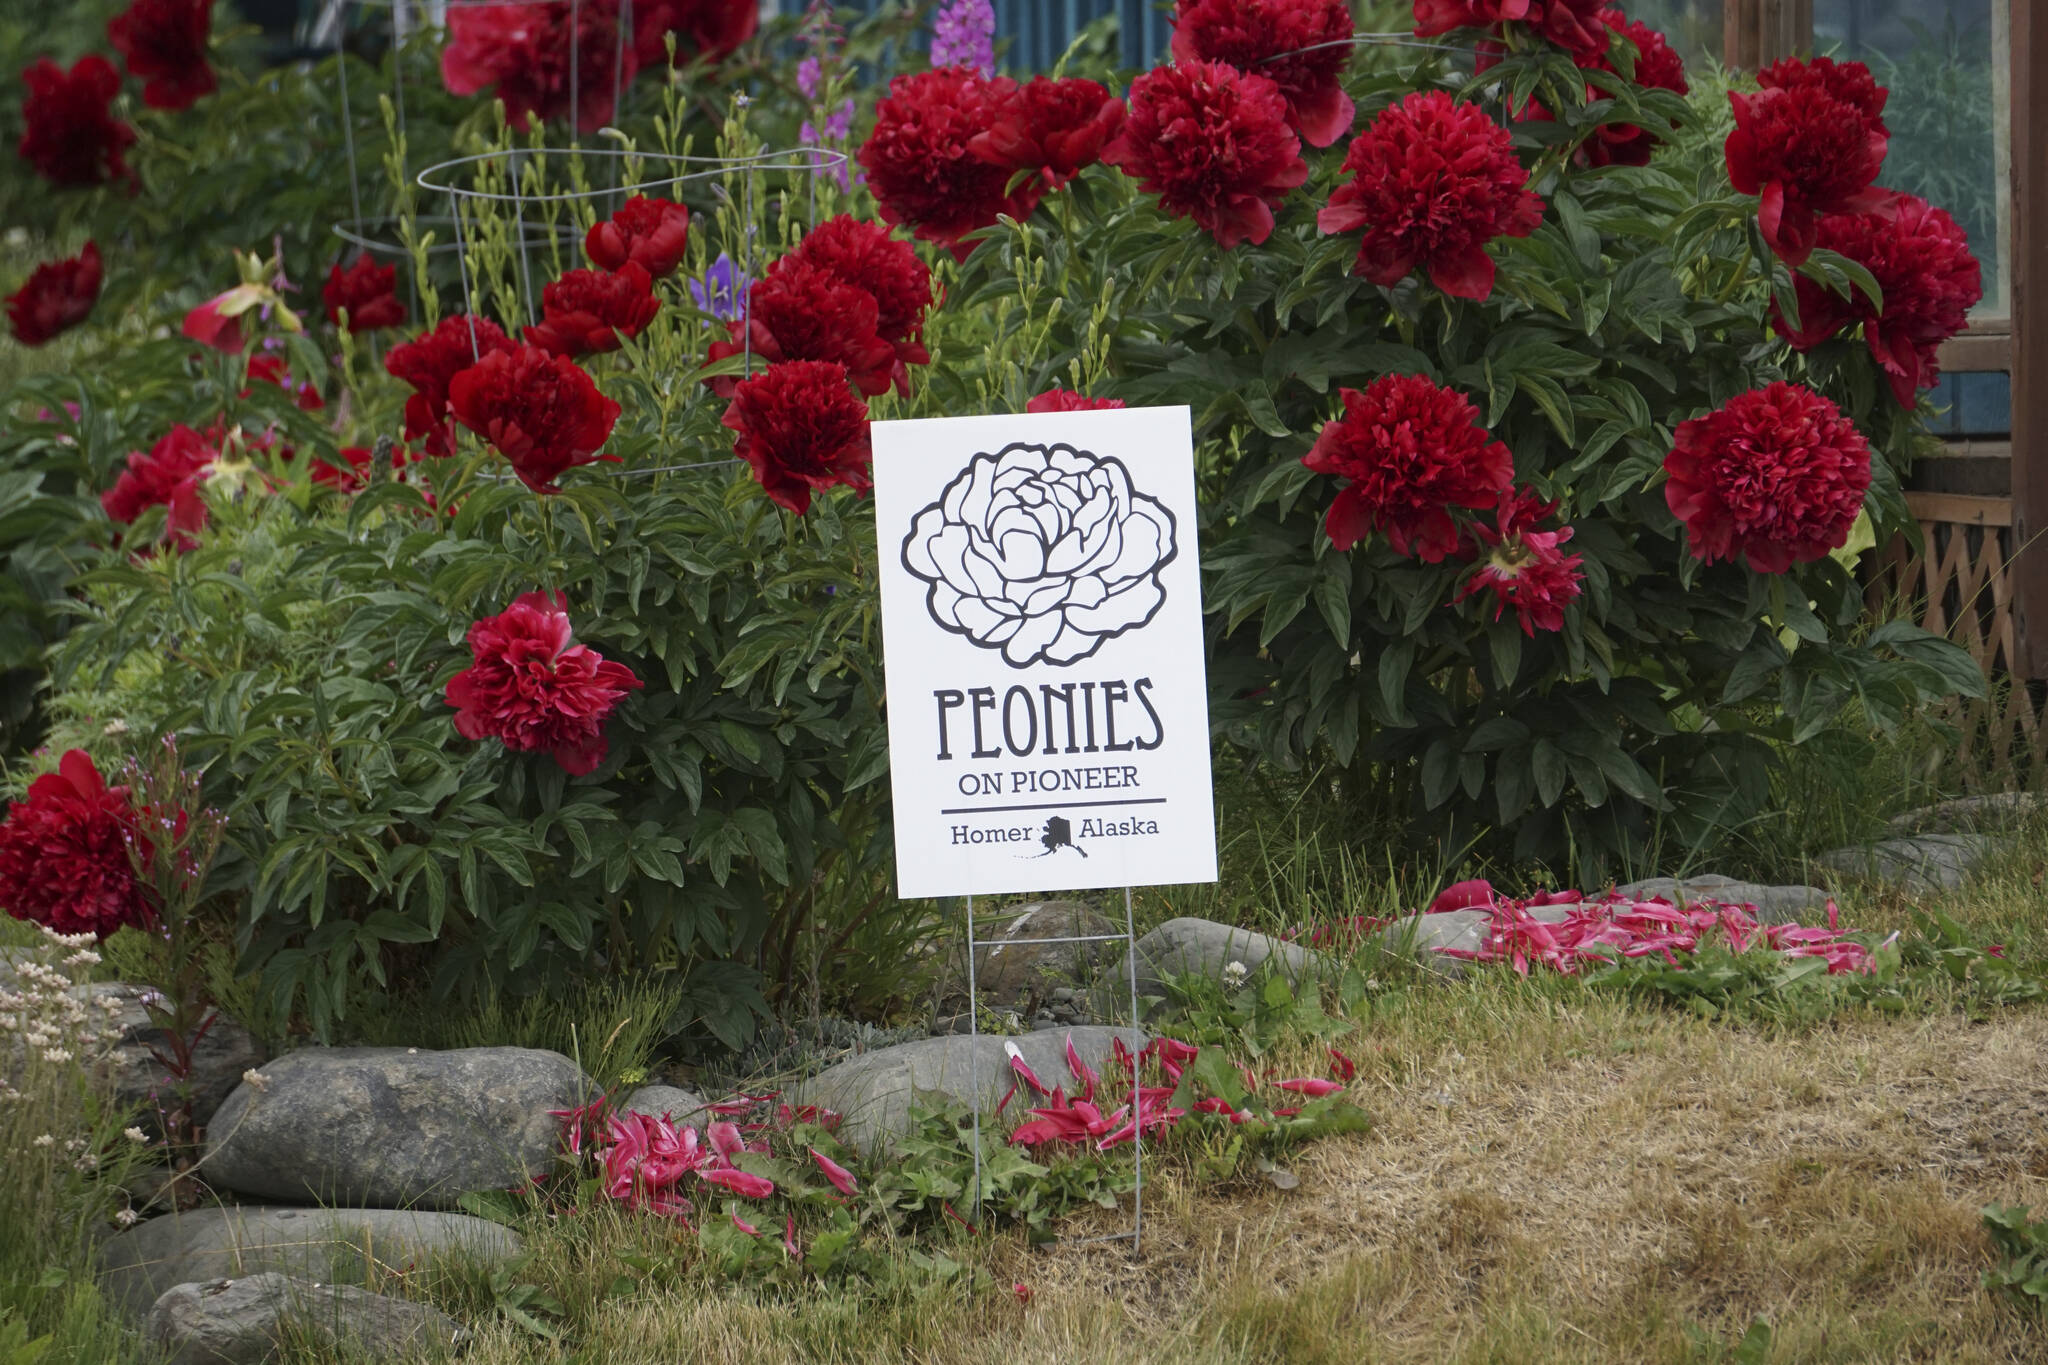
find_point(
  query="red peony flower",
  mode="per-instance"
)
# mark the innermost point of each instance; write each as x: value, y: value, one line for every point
x: 168, y: 477
x: 429, y: 361
x: 651, y: 233
x: 800, y: 311
x: 368, y: 291
x: 1657, y: 67
x: 540, y: 411
x: 919, y: 164
x: 1575, y: 25
x: 870, y: 256
x: 1849, y: 82
x: 352, y: 475
x: 588, y: 311
x: 1433, y: 18
x: 801, y: 428
x: 1525, y: 568
x: 270, y: 369
x: 526, y: 52
x: 1923, y: 267
x: 64, y: 854
x: 1806, y: 151
x: 1214, y: 145
x: 1777, y: 475
x: 533, y: 690
x: 1432, y: 182
x: 1302, y: 46
x: 1412, y: 451
x: 710, y: 29
x: 69, y: 135
x: 57, y: 296
x: 210, y: 326
x: 1055, y: 128
x: 1066, y: 400
x: 164, y: 44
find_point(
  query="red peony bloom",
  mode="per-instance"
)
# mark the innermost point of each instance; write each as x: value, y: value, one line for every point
x: 1302, y: 46
x: 1849, y: 82
x: 802, y: 429
x: 533, y: 690
x: 540, y: 411
x: 800, y: 311
x: 870, y: 256
x: 1432, y: 182
x: 164, y: 44
x: 429, y: 361
x: 710, y: 29
x: 64, y: 859
x: 1214, y: 145
x: 352, y: 475
x: 1658, y: 67
x: 1055, y: 128
x: 1433, y: 18
x: 588, y: 311
x: 270, y: 369
x: 168, y: 477
x: 919, y: 163
x: 57, y: 297
x: 1806, y: 151
x: 1575, y: 25
x: 209, y: 326
x: 1412, y: 451
x: 1526, y: 569
x: 1776, y: 475
x: 1923, y: 267
x: 651, y: 233
x: 370, y: 293
x: 69, y: 135
x: 1066, y: 400
x: 527, y: 51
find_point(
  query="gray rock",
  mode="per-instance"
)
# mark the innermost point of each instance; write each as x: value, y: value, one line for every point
x: 1925, y: 862
x: 247, y: 1321
x: 672, y: 1100
x: 1774, y: 904
x: 325, y: 1245
x: 1427, y: 936
x: 223, y: 1054
x: 1197, y: 947
x: 394, y: 1127
x: 1970, y: 814
x: 1007, y: 972
x: 874, y: 1092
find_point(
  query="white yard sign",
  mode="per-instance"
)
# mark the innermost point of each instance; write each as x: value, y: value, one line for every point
x: 1042, y: 623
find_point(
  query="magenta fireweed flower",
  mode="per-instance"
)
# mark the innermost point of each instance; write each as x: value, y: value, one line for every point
x: 964, y: 34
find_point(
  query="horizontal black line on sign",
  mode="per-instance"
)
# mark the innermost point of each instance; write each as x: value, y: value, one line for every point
x: 1055, y: 805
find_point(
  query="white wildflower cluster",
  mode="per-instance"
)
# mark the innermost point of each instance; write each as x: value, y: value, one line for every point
x: 1235, y: 975
x: 46, y: 1011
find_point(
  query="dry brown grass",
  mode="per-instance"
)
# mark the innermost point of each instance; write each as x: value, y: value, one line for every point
x: 1547, y: 1181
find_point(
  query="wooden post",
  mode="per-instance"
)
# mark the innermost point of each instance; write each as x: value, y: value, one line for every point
x: 2029, y: 119
x: 1755, y: 33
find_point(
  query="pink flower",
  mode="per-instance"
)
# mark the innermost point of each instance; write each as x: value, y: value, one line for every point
x: 1315, y: 1087
x: 1526, y: 569
x: 739, y: 1182
x: 210, y: 326
x: 841, y: 1179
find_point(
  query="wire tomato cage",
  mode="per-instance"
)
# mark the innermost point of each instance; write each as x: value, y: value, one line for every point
x: 518, y: 217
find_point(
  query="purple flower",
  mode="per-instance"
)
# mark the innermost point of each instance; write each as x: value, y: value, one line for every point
x: 964, y: 34
x: 809, y: 76
x: 721, y: 291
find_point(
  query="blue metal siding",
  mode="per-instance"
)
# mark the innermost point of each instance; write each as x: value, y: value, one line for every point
x: 1038, y: 31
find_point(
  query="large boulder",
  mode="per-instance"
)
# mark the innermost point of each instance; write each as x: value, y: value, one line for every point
x: 1995, y: 811
x: 246, y: 1321
x: 1774, y: 904
x: 1433, y: 938
x: 669, y: 1101
x: 324, y: 1245
x: 1012, y: 968
x: 1190, y: 947
x: 875, y: 1091
x: 1922, y: 863
x: 394, y: 1127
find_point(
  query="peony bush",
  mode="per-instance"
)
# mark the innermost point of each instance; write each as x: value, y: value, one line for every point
x: 522, y: 615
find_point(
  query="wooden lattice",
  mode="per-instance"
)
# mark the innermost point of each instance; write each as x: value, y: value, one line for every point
x: 1959, y: 584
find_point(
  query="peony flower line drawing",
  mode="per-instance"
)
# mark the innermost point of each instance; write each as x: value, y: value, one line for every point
x: 1042, y: 552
